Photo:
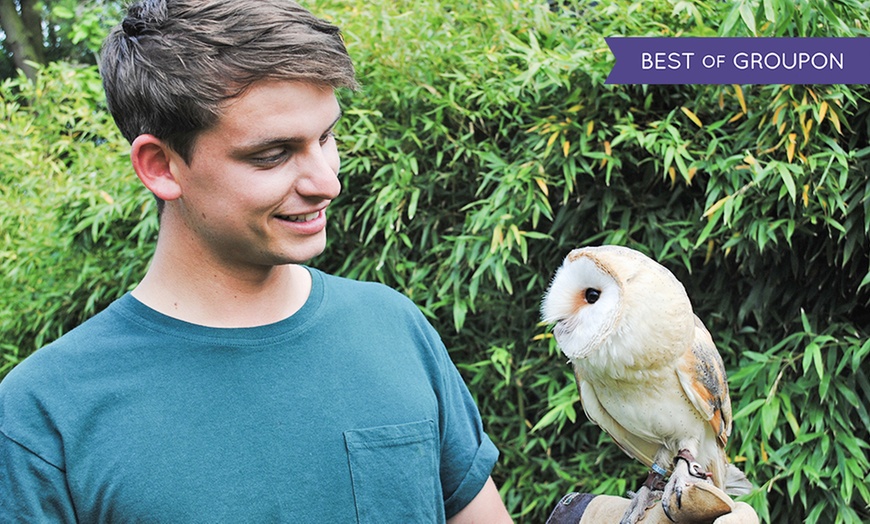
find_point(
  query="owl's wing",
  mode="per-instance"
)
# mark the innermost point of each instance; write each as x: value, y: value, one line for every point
x: 633, y: 445
x: 702, y: 376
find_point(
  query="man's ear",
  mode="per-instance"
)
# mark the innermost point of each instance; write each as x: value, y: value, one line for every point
x: 154, y: 162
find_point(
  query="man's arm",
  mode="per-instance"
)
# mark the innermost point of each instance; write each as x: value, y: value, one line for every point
x: 485, y: 508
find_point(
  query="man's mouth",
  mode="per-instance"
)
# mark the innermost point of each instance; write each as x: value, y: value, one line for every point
x: 299, y: 218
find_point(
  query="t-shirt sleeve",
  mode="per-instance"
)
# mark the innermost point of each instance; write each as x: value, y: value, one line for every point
x: 31, y: 489
x: 467, y: 453
x: 33, y: 483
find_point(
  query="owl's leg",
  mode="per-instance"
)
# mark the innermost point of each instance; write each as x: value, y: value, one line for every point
x: 686, y: 472
x: 646, y: 497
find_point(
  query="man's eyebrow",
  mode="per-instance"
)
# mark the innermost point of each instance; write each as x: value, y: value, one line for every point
x: 271, y: 142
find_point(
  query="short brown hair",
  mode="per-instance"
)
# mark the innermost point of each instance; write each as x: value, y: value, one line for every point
x: 171, y: 64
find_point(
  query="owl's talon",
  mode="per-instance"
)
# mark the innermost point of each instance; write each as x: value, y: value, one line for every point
x: 673, y: 502
x: 694, y: 469
x: 641, y: 502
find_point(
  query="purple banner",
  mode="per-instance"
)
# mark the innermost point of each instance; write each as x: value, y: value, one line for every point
x: 647, y: 60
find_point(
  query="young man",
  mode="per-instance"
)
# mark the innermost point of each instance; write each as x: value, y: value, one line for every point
x: 234, y: 384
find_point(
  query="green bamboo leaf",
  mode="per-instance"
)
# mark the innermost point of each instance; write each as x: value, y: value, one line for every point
x: 795, y: 484
x: 769, y: 416
x: 412, y: 205
x: 748, y: 17
x: 62, y: 11
x: 787, y: 180
x: 814, y: 515
x: 769, y: 11
x: 727, y: 27
x: 793, y: 423
x: 805, y: 322
x: 749, y: 409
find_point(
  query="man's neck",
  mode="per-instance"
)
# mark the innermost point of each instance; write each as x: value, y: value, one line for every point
x: 219, y: 297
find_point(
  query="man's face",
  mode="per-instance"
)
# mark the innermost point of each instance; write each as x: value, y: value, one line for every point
x: 257, y: 186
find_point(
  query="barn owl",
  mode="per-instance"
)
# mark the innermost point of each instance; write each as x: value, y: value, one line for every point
x: 647, y: 370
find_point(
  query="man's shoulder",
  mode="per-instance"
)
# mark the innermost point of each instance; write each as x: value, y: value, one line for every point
x: 374, y: 303
x: 39, y: 390
x: 364, y: 292
x: 56, y: 360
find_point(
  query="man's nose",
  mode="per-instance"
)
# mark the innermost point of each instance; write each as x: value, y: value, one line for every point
x: 319, y: 177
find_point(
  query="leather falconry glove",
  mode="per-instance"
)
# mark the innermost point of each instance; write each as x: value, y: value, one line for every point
x: 701, y: 503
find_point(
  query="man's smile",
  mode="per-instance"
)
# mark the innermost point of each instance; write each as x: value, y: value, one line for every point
x: 300, y: 218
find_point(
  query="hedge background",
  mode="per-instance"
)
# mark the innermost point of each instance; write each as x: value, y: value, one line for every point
x: 482, y: 148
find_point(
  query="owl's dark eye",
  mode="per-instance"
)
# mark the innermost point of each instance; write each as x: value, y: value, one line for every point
x: 592, y: 295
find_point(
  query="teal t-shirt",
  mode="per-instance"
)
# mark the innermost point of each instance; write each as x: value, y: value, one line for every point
x: 348, y: 411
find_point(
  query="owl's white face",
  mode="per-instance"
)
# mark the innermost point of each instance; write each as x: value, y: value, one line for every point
x: 584, y: 303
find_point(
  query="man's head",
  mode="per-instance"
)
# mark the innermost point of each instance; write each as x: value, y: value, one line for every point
x: 172, y: 64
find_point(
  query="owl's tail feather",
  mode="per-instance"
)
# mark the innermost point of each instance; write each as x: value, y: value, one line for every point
x: 736, y: 482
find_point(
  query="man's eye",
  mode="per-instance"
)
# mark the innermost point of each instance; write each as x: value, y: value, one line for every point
x: 325, y: 138
x: 272, y: 156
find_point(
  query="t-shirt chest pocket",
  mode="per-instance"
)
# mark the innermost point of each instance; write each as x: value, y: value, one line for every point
x: 394, y: 471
